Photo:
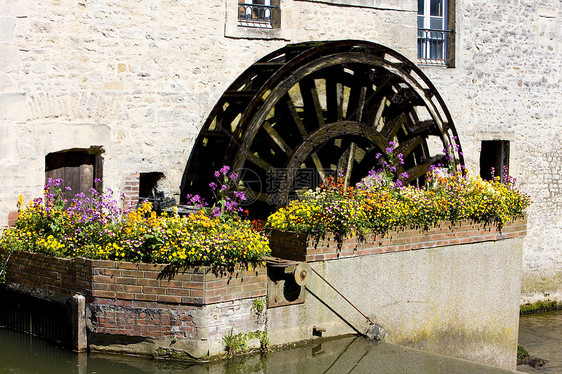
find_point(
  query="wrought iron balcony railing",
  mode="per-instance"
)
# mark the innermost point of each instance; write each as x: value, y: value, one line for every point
x: 432, y: 46
x: 256, y: 15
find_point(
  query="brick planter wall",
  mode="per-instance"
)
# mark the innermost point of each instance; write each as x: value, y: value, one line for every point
x: 301, y: 247
x: 136, y: 282
x: 145, y: 300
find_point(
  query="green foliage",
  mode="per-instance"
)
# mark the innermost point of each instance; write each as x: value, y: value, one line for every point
x: 235, y: 343
x: 264, y: 341
x: 258, y: 306
x: 522, y: 355
x: 238, y: 343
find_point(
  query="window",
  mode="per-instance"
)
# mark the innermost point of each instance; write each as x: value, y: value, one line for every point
x: 257, y: 13
x: 494, y: 155
x: 433, y: 35
x: 77, y: 168
x: 150, y: 189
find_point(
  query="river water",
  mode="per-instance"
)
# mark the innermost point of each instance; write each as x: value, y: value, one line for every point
x: 541, y: 335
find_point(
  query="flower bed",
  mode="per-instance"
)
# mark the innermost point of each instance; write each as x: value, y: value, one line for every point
x: 94, y: 227
x: 379, y: 205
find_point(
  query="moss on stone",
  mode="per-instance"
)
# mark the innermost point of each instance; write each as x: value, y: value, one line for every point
x: 540, y: 307
x: 174, y: 354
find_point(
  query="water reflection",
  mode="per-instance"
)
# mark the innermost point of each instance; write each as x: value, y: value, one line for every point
x: 541, y: 336
x: 22, y: 354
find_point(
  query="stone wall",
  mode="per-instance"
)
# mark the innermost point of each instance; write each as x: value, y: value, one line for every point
x: 504, y: 87
x: 139, y: 78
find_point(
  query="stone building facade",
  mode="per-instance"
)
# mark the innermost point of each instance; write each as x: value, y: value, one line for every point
x: 131, y: 83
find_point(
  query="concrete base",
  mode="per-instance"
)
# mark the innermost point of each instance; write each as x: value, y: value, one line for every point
x: 461, y: 301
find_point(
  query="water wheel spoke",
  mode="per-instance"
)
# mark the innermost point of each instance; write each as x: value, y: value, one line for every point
x: 379, y: 113
x: 295, y: 117
x: 259, y: 162
x: 418, y: 128
x: 356, y: 103
x: 313, y: 110
x: 318, y: 165
x: 349, y: 166
x: 334, y: 99
x: 408, y: 146
x: 419, y: 171
x: 277, y: 139
x: 390, y: 128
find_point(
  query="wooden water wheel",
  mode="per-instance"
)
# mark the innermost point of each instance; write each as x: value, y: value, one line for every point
x: 308, y: 110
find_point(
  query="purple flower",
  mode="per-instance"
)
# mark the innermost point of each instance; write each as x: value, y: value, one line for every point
x: 403, y: 175
x: 224, y: 187
x: 378, y: 155
x: 230, y: 205
x: 392, y: 143
x: 216, y: 212
x: 234, y: 176
x: 196, y: 200
x: 393, y: 169
x: 401, y: 158
x: 217, y: 174
x: 213, y: 185
x: 68, y: 188
x: 224, y: 170
x: 240, y: 195
x: 389, y: 150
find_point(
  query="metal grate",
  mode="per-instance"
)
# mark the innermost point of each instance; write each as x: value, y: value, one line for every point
x: 37, y: 317
x: 256, y: 15
x: 432, y: 46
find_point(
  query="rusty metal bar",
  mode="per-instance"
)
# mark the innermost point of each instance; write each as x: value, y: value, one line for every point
x: 6, y: 263
x: 345, y: 298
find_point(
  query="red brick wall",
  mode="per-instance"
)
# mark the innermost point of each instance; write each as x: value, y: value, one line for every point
x: 127, y: 317
x: 137, y: 282
x: 42, y: 272
x: 134, y: 299
x: 131, y: 191
x: 151, y: 283
x: 299, y: 247
x: 13, y: 217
